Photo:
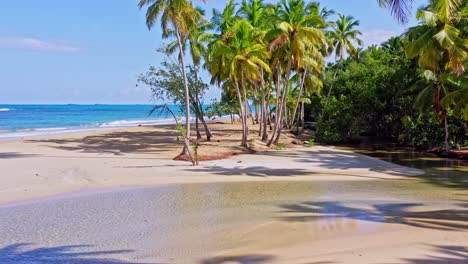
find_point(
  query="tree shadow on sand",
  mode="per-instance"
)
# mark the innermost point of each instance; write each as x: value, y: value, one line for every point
x: 399, y: 213
x: 450, y: 255
x: 436, y: 172
x: 118, y: 143
x: 245, y: 259
x: 24, y: 253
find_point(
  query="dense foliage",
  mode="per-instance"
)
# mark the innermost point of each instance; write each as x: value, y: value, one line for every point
x: 376, y: 95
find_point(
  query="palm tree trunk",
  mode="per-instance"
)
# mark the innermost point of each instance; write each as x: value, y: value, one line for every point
x: 283, y: 103
x: 334, y: 76
x: 299, y: 96
x: 186, y: 150
x: 197, y: 128
x: 241, y: 114
x: 201, y: 113
x: 247, y: 108
x: 264, y: 120
x: 277, y: 111
x: 302, y: 117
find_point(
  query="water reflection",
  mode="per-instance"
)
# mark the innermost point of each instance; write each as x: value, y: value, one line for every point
x: 189, y: 222
x: 440, y: 171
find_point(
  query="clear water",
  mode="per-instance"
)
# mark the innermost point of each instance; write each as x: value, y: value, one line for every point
x: 30, y: 120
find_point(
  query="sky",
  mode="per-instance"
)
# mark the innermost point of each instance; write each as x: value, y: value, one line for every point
x: 91, y: 51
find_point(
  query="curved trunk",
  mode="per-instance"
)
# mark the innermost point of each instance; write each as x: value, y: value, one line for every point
x: 279, y: 125
x: 278, y: 95
x: 186, y: 150
x: 264, y: 121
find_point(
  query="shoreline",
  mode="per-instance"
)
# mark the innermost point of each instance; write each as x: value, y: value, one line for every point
x: 143, y: 156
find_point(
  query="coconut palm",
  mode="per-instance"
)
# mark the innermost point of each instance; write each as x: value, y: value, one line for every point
x: 254, y: 11
x: 440, y: 45
x: 182, y: 16
x: 239, y: 58
x: 295, y: 33
x: 196, y: 40
x: 343, y: 35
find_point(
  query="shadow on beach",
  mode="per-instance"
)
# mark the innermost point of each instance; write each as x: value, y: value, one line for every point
x: 396, y: 213
x: 75, y: 254
x: 120, y: 142
x: 244, y: 259
x: 451, y: 255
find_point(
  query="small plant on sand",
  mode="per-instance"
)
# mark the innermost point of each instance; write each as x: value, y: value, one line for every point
x: 195, y: 146
x: 311, y: 142
x: 281, y: 146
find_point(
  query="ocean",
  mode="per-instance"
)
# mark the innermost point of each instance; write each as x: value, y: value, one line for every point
x: 18, y: 121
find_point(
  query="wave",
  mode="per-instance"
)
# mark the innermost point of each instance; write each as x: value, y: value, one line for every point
x: 132, y: 123
x: 5, y: 109
x: 34, y: 132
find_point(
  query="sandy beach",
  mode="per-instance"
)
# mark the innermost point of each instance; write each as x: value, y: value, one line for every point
x: 121, y: 193
x: 143, y: 156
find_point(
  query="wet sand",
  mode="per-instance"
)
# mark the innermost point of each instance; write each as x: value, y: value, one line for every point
x: 301, y: 205
x: 385, y: 221
x: 142, y: 156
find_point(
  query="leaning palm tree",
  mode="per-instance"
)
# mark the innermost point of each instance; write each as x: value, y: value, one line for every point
x: 182, y: 16
x: 343, y: 36
x: 196, y: 40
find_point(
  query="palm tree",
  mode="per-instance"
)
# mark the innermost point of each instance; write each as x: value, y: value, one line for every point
x: 440, y: 45
x: 182, y: 16
x: 254, y: 12
x: 343, y: 35
x: 238, y: 57
x: 293, y: 35
x: 197, y: 39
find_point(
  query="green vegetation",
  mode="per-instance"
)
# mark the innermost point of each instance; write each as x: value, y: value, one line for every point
x: 269, y: 61
x: 412, y: 89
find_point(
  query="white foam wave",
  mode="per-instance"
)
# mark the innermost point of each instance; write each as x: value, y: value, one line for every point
x: 132, y: 123
x: 27, y: 133
x: 36, y: 132
x: 5, y: 109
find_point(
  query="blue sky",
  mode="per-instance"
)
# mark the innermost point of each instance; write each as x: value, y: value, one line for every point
x: 91, y: 51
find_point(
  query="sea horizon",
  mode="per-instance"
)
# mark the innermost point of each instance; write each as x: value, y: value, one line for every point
x: 29, y: 120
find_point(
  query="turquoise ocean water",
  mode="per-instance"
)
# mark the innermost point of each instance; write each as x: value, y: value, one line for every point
x: 17, y: 121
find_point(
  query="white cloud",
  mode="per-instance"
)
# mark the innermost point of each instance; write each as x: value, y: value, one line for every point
x: 38, y: 44
x: 376, y: 36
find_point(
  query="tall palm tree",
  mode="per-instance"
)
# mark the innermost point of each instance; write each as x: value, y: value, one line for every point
x: 182, y: 16
x: 196, y: 40
x: 293, y: 35
x: 254, y: 12
x: 343, y: 35
x: 238, y: 58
